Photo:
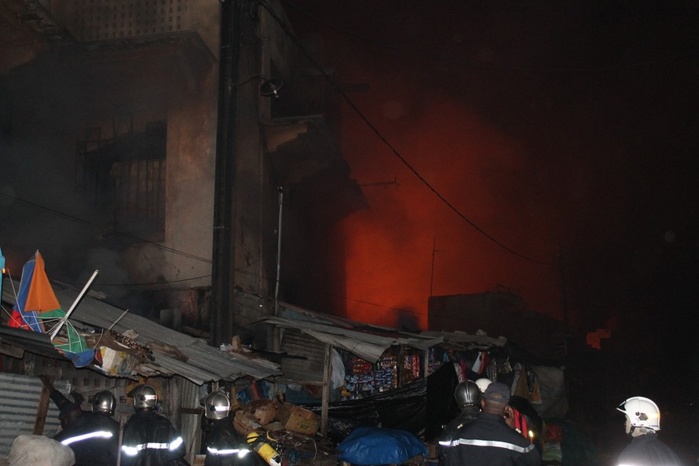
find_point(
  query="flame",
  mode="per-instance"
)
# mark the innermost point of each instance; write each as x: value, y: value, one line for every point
x: 410, y: 244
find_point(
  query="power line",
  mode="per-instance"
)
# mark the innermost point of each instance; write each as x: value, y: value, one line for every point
x: 388, y: 144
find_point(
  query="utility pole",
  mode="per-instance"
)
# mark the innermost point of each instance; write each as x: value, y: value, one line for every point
x: 434, y: 251
x: 223, y: 254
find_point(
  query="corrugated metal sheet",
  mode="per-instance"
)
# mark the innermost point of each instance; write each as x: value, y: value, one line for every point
x: 190, y: 421
x: 309, y: 370
x: 366, y: 345
x: 203, y: 363
x: 468, y: 341
x: 21, y: 395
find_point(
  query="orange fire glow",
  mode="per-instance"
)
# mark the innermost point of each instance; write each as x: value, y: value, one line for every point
x: 410, y: 244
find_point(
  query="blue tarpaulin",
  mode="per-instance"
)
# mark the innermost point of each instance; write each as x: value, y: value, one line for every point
x: 375, y: 446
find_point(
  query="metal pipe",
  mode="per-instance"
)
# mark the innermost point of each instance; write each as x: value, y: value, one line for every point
x: 276, y: 343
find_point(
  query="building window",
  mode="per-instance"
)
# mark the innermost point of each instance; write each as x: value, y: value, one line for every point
x: 126, y: 178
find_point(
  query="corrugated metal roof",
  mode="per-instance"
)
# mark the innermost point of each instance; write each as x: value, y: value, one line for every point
x: 465, y: 340
x: 366, y: 341
x: 203, y: 363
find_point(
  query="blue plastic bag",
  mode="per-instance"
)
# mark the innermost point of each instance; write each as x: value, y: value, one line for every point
x: 374, y: 446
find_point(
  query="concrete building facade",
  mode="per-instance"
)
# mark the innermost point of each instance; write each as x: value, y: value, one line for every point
x: 110, y: 141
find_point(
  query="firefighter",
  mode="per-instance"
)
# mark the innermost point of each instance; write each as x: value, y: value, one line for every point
x: 150, y: 439
x: 68, y: 411
x: 94, y: 435
x: 642, y: 425
x: 468, y: 396
x: 488, y: 439
x: 225, y: 447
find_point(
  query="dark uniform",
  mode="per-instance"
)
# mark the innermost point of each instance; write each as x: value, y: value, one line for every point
x: 648, y: 450
x: 226, y: 448
x: 151, y: 440
x: 453, y: 431
x: 489, y: 440
x: 93, y: 437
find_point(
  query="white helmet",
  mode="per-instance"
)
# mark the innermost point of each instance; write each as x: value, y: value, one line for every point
x: 641, y: 412
x: 104, y: 402
x: 217, y: 406
x: 483, y: 383
x: 145, y: 397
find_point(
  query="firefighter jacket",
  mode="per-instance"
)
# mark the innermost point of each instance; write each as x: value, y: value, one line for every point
x: 150, y: 439
x: 453, y: 430
x: 93, y: 437
x: 489, y: 440
x: 226, y: 448
x: 648, y: 450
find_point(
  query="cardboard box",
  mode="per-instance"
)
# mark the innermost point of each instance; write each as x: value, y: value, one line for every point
x: 117, y: 363
x: 297, y: 419
x: 264, y: 411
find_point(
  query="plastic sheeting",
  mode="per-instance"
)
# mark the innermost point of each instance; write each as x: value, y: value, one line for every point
x: 375, y: 446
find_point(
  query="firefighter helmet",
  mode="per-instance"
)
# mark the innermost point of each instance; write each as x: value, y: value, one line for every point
x: 144, y: 397
x: 483, y: 383
x: 104, y: 402
x: 467, y: 394
x: 217, y: 405
x: 641, y: 412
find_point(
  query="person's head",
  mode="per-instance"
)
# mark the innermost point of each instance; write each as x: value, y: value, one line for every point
x: 467, y: 395
x: 104, y: 402
x: 642, y: 415
x: 217, y: 405
x: 145, y: 398
x: 495, y: 398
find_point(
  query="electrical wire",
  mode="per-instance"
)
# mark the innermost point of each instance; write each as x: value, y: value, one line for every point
x: 388, y: 144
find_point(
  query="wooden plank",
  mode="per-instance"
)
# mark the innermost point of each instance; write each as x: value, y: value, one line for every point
x: 42, y: 410
x: 10, y: 350
x: 325, y: 399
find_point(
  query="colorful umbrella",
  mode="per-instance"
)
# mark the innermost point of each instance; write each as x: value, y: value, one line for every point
x: 37, y: 308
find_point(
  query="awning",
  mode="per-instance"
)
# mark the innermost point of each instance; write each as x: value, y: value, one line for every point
x: 365, y: 341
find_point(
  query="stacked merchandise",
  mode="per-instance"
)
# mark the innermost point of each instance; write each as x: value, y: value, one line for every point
x: 365, y: 379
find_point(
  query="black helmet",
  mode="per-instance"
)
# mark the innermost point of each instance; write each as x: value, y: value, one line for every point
x: 217, y: 406
x: 104, y: 402
x: 144, y: 397
x: 467, y: 394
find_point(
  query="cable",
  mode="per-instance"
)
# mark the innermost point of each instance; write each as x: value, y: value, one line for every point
x: 390, y: 146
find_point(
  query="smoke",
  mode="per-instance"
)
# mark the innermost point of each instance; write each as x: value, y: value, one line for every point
x: 410, y: 244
